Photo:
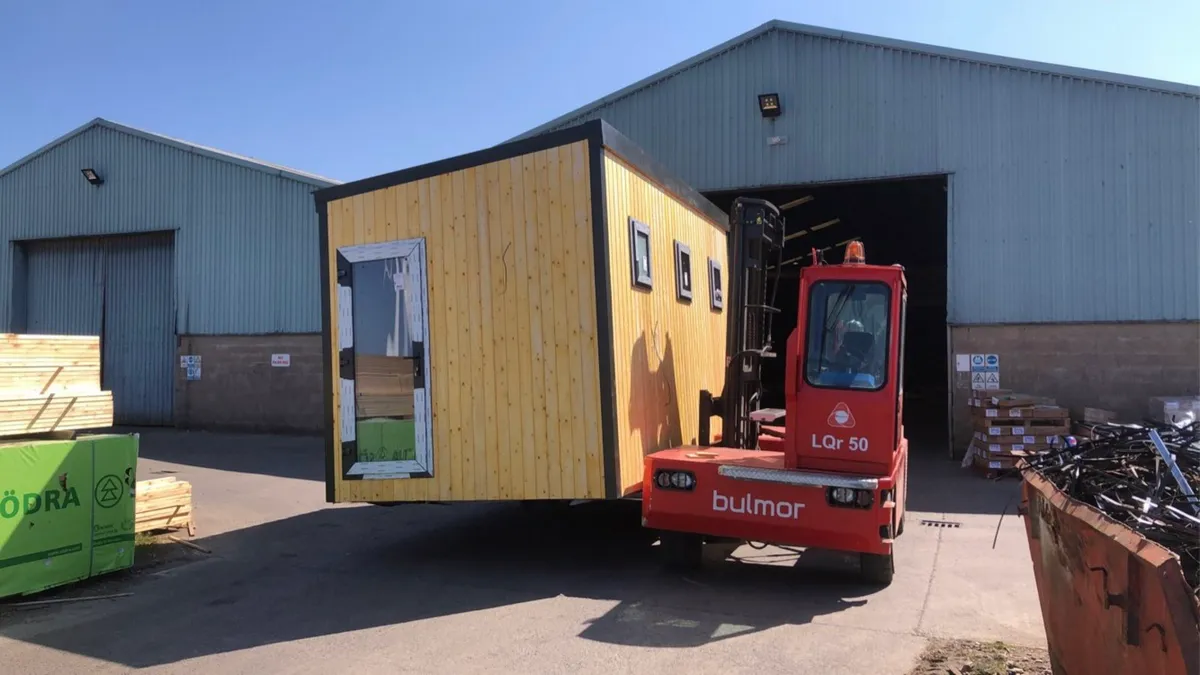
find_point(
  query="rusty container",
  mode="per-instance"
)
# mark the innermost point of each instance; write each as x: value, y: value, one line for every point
x: 1112, y: 601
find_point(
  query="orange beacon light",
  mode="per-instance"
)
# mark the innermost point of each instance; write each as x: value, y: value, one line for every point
x: 854, y: 254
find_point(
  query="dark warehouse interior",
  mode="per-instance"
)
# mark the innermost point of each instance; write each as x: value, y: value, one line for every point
x: 899, y: 222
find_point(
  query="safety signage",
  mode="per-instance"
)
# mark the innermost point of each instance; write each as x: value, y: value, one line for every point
x: 841, y: 417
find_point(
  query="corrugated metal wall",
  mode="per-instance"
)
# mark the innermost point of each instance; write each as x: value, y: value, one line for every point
x: 1075, y: 200
x: 119, y: 288
x: 245, y: 243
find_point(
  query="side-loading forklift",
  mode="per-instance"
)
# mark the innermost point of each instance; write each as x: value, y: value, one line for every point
x: 830, y: 470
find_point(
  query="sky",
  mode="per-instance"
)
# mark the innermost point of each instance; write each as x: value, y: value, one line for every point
x: 349, y: 89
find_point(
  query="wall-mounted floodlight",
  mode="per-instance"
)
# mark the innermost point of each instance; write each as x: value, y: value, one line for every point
x: 768, y: 105
x: 92, y: 177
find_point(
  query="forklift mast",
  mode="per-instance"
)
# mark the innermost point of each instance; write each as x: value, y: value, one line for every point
x: 758, y: 230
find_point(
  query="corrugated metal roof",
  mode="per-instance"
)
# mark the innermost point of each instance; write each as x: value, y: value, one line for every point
x: 870, y: 40
x: 246, y: 254
x: 1071, y: 198
x: 250, y: 162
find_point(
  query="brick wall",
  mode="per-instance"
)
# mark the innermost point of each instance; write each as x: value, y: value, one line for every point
x: 1115, y: 366
x: 240, y: 389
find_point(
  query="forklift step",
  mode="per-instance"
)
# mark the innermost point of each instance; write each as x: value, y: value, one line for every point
x: 768, y: 415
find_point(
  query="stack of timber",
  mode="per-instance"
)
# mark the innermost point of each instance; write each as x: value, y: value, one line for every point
x: 164, y: 504
x: 51, y: 383
x: 1008, y: 427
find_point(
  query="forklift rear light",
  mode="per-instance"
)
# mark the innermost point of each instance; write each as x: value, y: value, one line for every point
x: 850, y: 497
x: 669, y: 479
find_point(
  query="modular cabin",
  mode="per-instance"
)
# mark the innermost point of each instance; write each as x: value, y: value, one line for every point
x: 523, y: 322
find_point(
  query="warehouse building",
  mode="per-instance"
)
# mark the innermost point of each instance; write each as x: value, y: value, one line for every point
x: 1046, y: 215
x: 167, y: 249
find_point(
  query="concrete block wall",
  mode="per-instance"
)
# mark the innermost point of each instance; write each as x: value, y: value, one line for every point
x: 1115, y: 366
x: 239, y: 389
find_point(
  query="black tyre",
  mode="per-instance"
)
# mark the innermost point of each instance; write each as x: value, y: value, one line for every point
x: 681, y: 551
x: 876, y: 569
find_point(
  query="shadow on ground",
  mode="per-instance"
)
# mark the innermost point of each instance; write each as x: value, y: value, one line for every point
x: 346, y: 569
x: 299, y: 457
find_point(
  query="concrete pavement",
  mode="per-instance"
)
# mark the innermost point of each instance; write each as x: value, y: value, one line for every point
x: 296, y: 586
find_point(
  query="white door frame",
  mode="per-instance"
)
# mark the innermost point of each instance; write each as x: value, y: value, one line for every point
x: 416, y: 294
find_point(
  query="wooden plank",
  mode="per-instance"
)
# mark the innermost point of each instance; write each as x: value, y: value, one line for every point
x: 504, y: 314
x: 67, y: 412
x: 50, y: 379
x: 500, y: 444
x: 588, y: 343
x: 486, y: 472
x: 544, y: 255
x: 456, y: 324
x: 574, y: 472
x: 384, y: 406
x: 523, y: 285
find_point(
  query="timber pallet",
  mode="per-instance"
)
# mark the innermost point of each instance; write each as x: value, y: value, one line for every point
x: 164, y: 504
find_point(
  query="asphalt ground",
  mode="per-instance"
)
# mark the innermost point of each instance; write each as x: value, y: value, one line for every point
x: 291, y: 584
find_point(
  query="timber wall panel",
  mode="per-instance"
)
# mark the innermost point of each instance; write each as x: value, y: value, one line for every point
x: 513, y: 346
x: 664, y: 350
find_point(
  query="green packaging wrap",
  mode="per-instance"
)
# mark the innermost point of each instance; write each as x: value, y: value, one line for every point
x: 66, y: 510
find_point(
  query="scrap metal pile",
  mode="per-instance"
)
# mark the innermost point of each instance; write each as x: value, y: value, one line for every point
x: 1144, y: 476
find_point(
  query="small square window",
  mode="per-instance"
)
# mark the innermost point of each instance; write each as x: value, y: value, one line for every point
x: 683, y: 271
x: 639, y: 244
x: 715, y: 293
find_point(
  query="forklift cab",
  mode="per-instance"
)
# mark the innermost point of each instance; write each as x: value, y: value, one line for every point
x: 844, y: 385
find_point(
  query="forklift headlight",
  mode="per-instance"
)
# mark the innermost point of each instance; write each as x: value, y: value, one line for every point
x: 843, y: 495
x: 669, y: 479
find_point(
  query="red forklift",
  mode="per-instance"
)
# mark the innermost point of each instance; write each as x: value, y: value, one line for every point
x: 830, y: 470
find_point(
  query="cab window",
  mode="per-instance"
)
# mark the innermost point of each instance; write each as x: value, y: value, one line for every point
x: 847, y: 342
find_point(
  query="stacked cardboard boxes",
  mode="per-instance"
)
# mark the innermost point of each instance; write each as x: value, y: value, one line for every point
x: 1178, y: 410
x: 1008, y: 427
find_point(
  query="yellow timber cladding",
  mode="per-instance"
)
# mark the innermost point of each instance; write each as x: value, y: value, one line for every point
x: 512, y: 326
x: 546, y: 374
x: 664, y: 350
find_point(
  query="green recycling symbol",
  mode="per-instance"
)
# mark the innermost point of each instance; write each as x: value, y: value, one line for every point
x: 108, y: 491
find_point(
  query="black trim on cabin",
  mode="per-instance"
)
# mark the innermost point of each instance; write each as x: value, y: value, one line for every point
x: 604, y: 343
x: 597, y: 131
x: 327, y: 350
x: 599, y: 135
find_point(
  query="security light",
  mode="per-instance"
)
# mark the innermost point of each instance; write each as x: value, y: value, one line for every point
x: 769, y: 105
x: 92, y: 177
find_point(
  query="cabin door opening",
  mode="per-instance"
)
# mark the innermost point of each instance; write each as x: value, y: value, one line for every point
x: 383, y: 356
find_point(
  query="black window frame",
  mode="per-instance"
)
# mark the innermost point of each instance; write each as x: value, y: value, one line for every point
x: 638, y: 228
x: 683, y: 290
x: 716, y: 291
x: 808, y: 333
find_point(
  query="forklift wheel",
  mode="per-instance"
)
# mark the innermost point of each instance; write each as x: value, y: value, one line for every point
x: 681, y: 551
x: 876, y: 569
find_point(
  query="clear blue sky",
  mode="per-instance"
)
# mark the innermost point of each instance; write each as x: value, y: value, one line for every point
x: 351, y: 89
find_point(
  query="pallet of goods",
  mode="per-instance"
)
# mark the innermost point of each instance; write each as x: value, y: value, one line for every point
x: 1008, y: 427
x: 51, y: 383
x: 1085, y: 421
x: 164, y: 504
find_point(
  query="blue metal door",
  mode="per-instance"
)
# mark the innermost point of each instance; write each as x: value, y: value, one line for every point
x: 122, y: 289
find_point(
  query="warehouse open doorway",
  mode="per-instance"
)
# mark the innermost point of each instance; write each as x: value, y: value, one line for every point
x: 898, y: 221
